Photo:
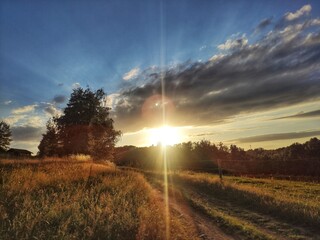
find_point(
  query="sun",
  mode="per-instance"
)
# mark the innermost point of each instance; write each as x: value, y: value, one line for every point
x: 164, y: 135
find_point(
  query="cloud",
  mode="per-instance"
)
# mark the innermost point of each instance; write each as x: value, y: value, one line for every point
x: 14, y: 119
x: 24, y: 109
x: 305, y: 10
x: 280, y: 69
x: 7, y: 102
x: 202, y: 47
x: 76, y: 85
x: 278, y: 136
x: 51, y: 109
x: 26, y: 133
x: 315, y: 113
x: 231, y: 44
x: 60, y: 84
x: 217, y: 57
x: 131, y: 74
x: 263, y: 24
x: 59, y: 99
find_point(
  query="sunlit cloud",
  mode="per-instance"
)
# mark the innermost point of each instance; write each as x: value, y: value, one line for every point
x: 217, y: 57
x: 52, y: 110
x: 24, y: 109
x: 305, y: 10
x: 14, y: 119
x: 231, y: 44
x: 131, y: 74
x: 76, y: 85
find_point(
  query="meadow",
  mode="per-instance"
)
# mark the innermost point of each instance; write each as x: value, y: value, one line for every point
x: 72, y: 199
x: 79, y: 200
x: 250, y: 208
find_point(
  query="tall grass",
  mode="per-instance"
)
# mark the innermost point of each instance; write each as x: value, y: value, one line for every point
x: 76, y: 201
x: 71, y: 199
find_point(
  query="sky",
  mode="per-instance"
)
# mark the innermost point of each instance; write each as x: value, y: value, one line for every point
x: 240, y: 72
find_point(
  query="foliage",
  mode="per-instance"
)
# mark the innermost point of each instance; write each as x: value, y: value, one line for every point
x: 297, y: 159
x: 84, y: 128
x: 49, y: 145
x: 5, y: 136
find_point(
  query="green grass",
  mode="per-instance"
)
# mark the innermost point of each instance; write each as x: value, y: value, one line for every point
x: 290, y: 200
x: 251, y: 208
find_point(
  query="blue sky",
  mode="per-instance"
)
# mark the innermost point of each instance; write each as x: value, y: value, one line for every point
x: 49, y: 47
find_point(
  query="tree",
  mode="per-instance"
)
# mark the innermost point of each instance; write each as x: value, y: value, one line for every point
x: 5, y: 136
x: 49, y: 145
x: 102, y: 135
x: 85, y: 127
x: 237, y: 153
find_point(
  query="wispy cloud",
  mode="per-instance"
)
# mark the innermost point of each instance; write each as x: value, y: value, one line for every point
x: 263, y: 24
x: 315, y: 113
x: 301, y: 12
x: 202, y: 47
x: 7, y: 102
x: 76, y: 85
x: 131, y: 74
x: 24, y: 109
x: 52, y: 110
x: 277, y: 136
x: 14, y: 119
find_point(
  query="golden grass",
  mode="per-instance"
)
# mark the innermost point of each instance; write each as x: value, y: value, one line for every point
x: 62, y: 199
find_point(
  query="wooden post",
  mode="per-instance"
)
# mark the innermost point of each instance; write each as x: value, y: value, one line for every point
x: 220, y: 170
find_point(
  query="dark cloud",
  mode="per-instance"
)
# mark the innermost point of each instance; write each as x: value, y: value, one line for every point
x: 277, y: 136
x: 59, y: 99
x: 281, y: 69
x: 263, y: 24
x: 26, y: 133
x: 315, y: 113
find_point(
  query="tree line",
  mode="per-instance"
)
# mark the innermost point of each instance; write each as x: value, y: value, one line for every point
x: 296, y: 159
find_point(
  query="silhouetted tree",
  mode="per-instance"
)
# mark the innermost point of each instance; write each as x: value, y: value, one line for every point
x: 5, y: 136
x: 102, y: 135
x: 85, y: 127
x: 49, y: 145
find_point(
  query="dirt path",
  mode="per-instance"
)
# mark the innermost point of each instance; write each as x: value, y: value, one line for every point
x: 265, y: 225
x: 204, y: 226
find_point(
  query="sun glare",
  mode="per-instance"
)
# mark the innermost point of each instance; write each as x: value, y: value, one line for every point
x: 164, y: 135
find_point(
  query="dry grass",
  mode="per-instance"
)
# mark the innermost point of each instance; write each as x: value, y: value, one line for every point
x: 67, y: 200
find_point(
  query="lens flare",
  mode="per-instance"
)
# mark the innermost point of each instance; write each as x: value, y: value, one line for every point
x: 164, y: 136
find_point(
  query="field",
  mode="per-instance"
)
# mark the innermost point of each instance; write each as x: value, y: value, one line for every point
x: 84, y: 200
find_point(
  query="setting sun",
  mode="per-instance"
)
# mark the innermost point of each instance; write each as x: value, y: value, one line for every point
x: 164, y: 135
